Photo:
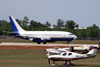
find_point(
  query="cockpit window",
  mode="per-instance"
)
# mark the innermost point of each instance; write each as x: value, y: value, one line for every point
x: 70, y: 54
x: 64, y: 54
x: 70, y: 34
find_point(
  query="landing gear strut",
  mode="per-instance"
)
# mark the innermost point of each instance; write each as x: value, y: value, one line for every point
x: 53, y: 62
x: 67, y: 42
x: 69, y: 63
x: 40, y: 42
x: 65, y: 63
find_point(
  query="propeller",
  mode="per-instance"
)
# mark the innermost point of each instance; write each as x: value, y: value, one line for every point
x: 48, y: 61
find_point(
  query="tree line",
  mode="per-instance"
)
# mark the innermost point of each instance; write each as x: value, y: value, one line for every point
x: 91, y: 32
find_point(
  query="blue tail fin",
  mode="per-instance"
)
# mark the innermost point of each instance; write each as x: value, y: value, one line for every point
x: 16, y: 28
x: 99, y: 45
x: 13, y: 26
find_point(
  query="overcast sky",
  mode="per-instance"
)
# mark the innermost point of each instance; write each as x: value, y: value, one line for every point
x: 83, y: 12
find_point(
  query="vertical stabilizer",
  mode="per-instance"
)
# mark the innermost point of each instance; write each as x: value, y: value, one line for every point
x: 14, y: 25
x: 98, y: 46
x: 92, y: 52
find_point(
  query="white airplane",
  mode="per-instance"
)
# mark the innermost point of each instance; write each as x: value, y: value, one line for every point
x: 69, y: 56
x: 78, y: 48
x: 40, y: 36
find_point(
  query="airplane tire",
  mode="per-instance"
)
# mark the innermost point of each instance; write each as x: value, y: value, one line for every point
x: 44, y: 42
x: 38, y: 42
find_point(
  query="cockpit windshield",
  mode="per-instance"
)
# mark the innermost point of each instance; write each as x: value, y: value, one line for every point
x: 70, y: 34
x: 64, y: 54
x: 70, y: 54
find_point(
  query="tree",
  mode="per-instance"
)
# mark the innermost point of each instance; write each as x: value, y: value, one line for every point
x: 20, y: 22
x: 81, y: 33
x: 98, y: 34
x: 4, y: 26
x: 70, y: 24
x: 60, y: 23
x: 25, y: 22
x: 47, y: 24
x: 76, y: 26
x: 92, y: 31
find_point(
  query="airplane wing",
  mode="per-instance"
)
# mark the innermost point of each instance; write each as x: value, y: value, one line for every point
x: 9, y: 32
x: 40, y: 37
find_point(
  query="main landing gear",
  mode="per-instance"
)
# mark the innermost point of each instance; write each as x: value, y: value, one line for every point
x: 43, y: 42
x: 65, y: 64
x: 70, y: 64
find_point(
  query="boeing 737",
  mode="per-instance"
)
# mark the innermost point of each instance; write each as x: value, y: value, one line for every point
x: 40, y: 36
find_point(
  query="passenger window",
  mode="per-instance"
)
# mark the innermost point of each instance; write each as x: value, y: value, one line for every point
x: 64, y: 54
x: 70, y: 54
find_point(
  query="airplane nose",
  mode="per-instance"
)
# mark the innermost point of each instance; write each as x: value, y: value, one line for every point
x: 75, y: 37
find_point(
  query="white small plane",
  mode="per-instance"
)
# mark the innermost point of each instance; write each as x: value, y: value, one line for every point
x: 40, y: 36
x: 69, y: 56
x: 78, y: 48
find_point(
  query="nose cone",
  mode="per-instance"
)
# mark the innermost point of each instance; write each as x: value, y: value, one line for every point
x: 75, y: 37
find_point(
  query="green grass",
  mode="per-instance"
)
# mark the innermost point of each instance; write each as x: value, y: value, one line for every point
x: 14, y: 40
x: 23, y: 58
x: 58, y: 42
x: 79, y: 42
x: 85, y: 41
x: 37, y: 58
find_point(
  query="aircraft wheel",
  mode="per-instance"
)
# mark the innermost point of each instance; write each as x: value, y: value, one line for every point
x: 44, y: 42
x: 38, y: 42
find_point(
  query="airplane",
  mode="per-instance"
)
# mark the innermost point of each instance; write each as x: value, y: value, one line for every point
x: 40, y: 36
x: 72, y: 48
x: 69, y: 56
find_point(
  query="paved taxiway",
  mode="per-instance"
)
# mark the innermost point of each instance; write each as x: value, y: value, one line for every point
x: 34, y: 44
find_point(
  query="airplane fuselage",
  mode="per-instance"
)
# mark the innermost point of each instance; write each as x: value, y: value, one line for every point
x: 48, y: 35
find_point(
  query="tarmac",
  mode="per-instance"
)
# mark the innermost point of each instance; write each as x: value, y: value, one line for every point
x: 14, y: 45
x: 35, y: 44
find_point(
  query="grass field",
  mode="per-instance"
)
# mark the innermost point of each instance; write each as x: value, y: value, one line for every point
x: 37, y: 58
x: 60, y: 42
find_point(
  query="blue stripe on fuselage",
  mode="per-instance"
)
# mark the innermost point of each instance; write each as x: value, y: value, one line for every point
x: 61, y: 39
x: 51, y: 40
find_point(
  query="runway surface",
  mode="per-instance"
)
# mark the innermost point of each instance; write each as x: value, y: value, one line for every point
x: 13, y: 45
x: 34, y: 44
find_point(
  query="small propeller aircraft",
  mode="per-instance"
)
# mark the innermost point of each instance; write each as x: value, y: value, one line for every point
x: 69, y: 56
x: 72, y: 48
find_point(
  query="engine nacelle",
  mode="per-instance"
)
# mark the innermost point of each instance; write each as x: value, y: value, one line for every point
x: 37, y: 39
x: 43, y: 39
x: 31, y: 39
